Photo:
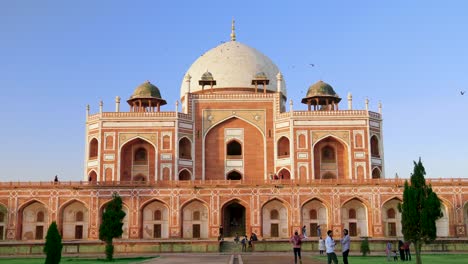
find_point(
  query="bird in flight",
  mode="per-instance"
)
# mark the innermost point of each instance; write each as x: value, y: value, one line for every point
x: 462, y: 92
x: 311, y: 64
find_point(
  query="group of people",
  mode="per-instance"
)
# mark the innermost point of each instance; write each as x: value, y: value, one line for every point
x: 244, y: 241
x: 403, y: 250
x: 328, y: 245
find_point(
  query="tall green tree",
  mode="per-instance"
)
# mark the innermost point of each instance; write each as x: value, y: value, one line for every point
x: 419, y: 211
x: 112, y: 223
x: 53, y: 245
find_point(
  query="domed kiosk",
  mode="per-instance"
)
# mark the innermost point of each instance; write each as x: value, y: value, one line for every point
x: 322, y: 96
x: 146, y: 98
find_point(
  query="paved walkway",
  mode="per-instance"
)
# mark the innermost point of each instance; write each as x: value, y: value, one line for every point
x: 248, y: 258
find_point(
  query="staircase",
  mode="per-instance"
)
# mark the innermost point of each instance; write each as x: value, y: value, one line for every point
x: 229, y: 246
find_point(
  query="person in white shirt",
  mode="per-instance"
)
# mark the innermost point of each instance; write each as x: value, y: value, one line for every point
x: 330, y: 248
x: 321, y: 246
x: 345, y: 242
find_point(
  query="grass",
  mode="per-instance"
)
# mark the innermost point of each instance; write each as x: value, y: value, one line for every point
x: 71, y: 260
x: 429, y: 259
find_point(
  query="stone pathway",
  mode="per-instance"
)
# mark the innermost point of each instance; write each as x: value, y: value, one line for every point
x: 277, y: 259
x: 249, y: 258
x: 189, y: 258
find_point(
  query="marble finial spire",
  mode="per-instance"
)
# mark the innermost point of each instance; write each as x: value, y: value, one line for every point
x: 233, y: 31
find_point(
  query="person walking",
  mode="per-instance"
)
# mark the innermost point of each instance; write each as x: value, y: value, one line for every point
x: 345, y: 243
x: 388, y: 250
x: 296, y: 240
x: 330, y: 248
x: 321, y: 246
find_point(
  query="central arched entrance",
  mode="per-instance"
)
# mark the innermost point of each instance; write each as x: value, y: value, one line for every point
x: 234, y: 219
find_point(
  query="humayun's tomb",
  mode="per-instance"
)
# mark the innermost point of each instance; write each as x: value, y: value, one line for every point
x: 233, y: 153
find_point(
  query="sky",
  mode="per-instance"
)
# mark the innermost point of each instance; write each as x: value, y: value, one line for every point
x: 58, y: 56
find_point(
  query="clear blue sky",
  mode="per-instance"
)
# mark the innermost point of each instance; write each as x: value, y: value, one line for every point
x: 58, y: 56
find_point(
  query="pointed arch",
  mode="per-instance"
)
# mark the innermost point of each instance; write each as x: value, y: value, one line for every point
x: 276, y: 227
x: 443, y: 223
x: 318, y: 208
x: 29, y: 227
x: 235, y: 217
x: 283, y: 147
x: 284, y: 173
x: 357, y: 224
x: 129, y: 167
x: 185, y: 148
x: 331, y: 158
x: 154, y: 219
x: 214, y: 143
x: 233, y: 149
x: 185, y: 175
x: 376, y: 173
x: 93, y: 148
x: 234, y: 175
x: 92, y: 175
x: 375, y: 146
x: 193, y: 226
x: 71, y: 226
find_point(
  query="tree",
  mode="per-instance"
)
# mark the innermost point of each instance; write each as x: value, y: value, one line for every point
x: 419, y: 211
x: 112, y: 222
x: 53, y: 245
x: 365, y: 247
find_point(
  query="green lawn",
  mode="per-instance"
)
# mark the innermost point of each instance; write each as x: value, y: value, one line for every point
x: 426, y: 259
x: 70, y: 260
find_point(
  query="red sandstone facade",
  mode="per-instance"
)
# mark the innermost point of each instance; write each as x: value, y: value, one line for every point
x: 233, y: 156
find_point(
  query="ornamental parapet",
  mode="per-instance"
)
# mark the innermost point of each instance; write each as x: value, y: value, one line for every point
x: 230, y: 183
x: 340, y: 113
x: 233, y: 96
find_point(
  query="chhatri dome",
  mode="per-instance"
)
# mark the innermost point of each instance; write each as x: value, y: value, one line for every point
x: 232, y: 67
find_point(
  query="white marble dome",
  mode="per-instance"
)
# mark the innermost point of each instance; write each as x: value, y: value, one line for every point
x: 232, y: 65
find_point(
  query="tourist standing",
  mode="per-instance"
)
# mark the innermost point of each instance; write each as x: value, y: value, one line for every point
x: 407, y: 251
x: 244, y: 243
x: 304, y: 231
x: 401, y: 248
x: 221, y: 230
x: 297, y: 242
x: 321, y: 246
x: 388, y: 250
x: 330, y: 248
x: 345, y: 243
x: 319, y: 231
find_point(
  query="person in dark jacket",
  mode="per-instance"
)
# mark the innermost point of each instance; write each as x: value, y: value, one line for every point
x: 401, y: 248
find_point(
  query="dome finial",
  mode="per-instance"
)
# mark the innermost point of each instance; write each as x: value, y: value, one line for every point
x: 233, y: 31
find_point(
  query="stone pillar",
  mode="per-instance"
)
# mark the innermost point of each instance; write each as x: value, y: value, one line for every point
x: 350, y: 101
x: 100, y: 106
x: 367, y: 104
x: 117, y: 104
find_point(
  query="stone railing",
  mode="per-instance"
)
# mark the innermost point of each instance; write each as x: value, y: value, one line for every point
x: 338, y: 113
x: 230, y: 183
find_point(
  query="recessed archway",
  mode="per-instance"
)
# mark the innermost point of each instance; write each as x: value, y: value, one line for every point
x: 137, y: 160
x: 234, y: 176
x: 354, y: 218
x: 275, y: 219
x: 234, y: 219
x: 391, y: 218
x: 331, y: 159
